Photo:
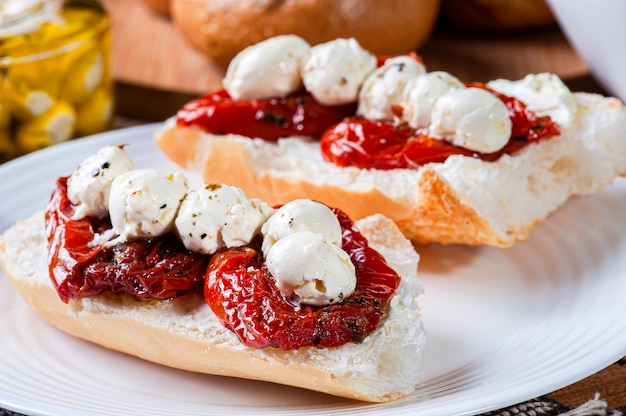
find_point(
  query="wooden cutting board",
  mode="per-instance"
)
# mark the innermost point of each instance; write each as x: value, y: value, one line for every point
x: 157, y: 70
x: 148, y: 51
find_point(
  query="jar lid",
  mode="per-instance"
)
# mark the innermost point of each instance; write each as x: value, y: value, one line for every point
x: 23, y: 16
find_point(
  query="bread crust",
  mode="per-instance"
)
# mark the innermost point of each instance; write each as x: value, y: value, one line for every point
x: 461, y: 201
x: 183, y: 332
x: 222, y: 28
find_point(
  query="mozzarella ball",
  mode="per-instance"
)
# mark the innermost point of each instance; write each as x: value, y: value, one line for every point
x: 472, y: 118
x: 383, y: 87
x: 268, y: 69
x: 216, y: 216
x: 309, y: 269
x: 144, y: 202
x: 333, y: 72
x: 421, y: 93
x: 544, y: 94
x: 89, y: 185
x: 301, y: 215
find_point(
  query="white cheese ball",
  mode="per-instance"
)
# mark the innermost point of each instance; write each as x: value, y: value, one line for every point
x: 144, y: 202
x: 89, y: 185
x: 472, y: 118
x: 301, y: 215
x: 216, y: 216
x: 383, y: 87
x: 309, y: 269
x: 334, y: 71
x: 270, y: 68
x: 421, y: 93
x: 545, y: 94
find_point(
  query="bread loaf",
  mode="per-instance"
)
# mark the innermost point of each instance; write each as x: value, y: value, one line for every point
x: 184, y: 333
x: 463, y: 200
x: 222, y: 28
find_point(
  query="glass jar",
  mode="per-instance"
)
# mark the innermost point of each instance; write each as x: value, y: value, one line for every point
x: 56, y: 82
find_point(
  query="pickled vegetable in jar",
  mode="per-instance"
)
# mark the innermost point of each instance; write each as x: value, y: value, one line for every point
x: 55, y: 78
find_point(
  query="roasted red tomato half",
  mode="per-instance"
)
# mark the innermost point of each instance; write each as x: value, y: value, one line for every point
x: 298, y: 114
x: 158, y: 268
x: 366, y: 144
x: 241, y: 292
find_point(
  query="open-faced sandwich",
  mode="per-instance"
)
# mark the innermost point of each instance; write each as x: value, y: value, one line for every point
x: 205, y: 279
x: 448, y: 161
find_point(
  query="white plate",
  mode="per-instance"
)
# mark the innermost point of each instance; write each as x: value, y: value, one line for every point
x: 505, y: 325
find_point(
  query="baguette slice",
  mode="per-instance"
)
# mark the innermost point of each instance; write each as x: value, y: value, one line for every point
x: 463, y: 200
x: 185, y: 334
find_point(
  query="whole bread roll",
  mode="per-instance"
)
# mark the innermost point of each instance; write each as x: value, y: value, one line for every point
x: 463, y: 200
x: 184, y: 333
x: 222, y: 28
x: 496, y: 15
